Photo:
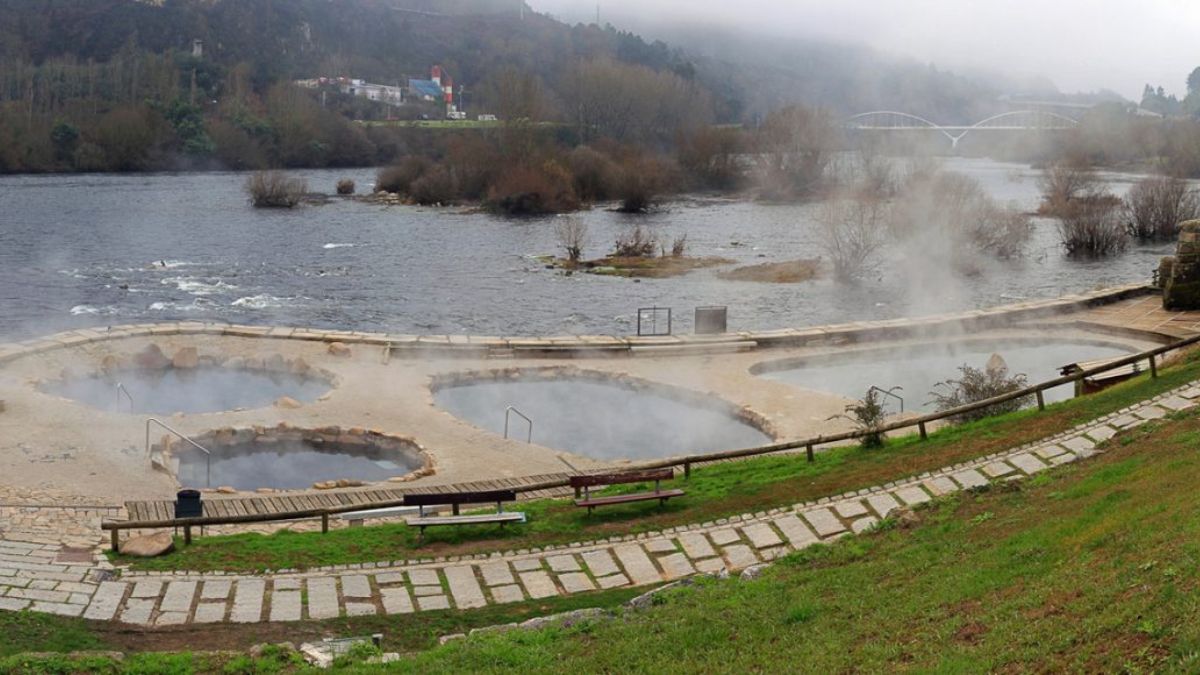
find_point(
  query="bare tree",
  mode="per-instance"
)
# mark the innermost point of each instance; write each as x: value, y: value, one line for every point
x: 1065, y: 183
x: 1093, y: 228
x: 1155, y: 206
x: 795, y: 146
x: 851, y: 233
x: 573, y: 237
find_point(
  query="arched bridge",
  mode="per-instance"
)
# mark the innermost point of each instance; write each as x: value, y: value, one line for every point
x: 1015, y: 120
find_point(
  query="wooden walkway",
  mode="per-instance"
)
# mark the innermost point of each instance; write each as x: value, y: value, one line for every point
x: 220, y: 507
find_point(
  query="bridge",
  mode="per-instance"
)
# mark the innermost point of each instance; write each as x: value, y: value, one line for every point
x: 1015, y: 120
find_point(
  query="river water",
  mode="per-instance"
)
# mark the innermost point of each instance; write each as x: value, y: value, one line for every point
x: 92, y: 250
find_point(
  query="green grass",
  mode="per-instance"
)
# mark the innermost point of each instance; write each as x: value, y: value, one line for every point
x: 1092, y: 568
x: 713, y: 491
x: 41, y: 643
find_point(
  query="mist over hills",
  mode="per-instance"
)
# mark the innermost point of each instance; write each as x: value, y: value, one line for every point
x: 383, y: 40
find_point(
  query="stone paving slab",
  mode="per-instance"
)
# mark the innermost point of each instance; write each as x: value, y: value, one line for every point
x: 464, y: 588
x: 824, y: 522
x: 538, y: 584
x: 637, y: 564
x: 600, y: 563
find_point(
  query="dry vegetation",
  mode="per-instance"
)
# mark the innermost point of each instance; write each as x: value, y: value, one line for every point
x: 789, y: 272
x: 1156, y: 205
x: 274, y: 189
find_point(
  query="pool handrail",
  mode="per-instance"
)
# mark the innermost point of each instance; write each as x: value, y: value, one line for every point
x: 510, y: 409
x: 207, y: 454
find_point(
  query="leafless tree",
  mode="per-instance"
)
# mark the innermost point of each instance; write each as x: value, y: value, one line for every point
x: 1065, y: 183
x: 573, y: 237
x: 795, y: 146
x: 1155, y: 206
x: 1093, y: 228
x: 851, y: 233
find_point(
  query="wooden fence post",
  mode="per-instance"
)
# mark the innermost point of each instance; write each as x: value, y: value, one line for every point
x: 116, y: 536
x: 921, y: 426
x: 808, y: 450
x: 687, y: 470
x: 187, y: 534
x: 1041, y: 400
x: 1153, y: 367
x: 324, y: 523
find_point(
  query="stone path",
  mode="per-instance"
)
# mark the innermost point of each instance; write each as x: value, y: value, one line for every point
x: 40, y: 572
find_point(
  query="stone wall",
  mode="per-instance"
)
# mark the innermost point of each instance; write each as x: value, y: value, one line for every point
x: 1181, y: 289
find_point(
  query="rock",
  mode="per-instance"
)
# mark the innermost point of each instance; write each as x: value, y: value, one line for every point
x: 316, y: 655
x: 339, y: 349
x: 151, y: 358
x: 497, y: 628
x: 226, y: 490
x: 324, y: 485
x: 347, y: 482
x: 110, y: 363
x: 288, y: 403
x: 235, y: 363
x: 301, y: 367
x: 275, y: 363
x: 149, y: 545
x: 996, y: 365
x: 186, y: 358
x: 451, y: 637
x: 754, y: 571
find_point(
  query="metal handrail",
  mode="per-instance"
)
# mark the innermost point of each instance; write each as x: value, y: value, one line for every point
x: 122, y: 390
x: 890, y: 392
x: 507, y: 412
x: 207, y: 454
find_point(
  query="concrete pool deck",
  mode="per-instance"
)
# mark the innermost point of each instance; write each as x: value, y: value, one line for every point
x: 54, y: 445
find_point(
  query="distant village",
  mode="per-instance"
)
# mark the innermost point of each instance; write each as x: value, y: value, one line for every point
x: 437, y: 91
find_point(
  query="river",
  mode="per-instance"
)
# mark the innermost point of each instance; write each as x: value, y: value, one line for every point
x: 88, y: 250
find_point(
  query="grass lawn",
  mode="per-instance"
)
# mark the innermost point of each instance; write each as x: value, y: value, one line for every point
x: 39, y: 643
x: 714, y: 491
x: 1092, y: 568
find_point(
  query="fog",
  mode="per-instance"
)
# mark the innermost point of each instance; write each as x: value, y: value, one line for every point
x: 1080, y: 45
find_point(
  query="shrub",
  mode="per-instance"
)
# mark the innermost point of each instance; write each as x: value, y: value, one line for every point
x: 641, y: 181
x: 637, y: 243
x: 435, y: 187
x: 950, y: 210
x: 595, y: 175
x: 273, y: 189
x: 398, y: 178
x: 572, y: 236
x: 1093, y: 227
x: 1065, y: 183
x: 1155, y: 206
x: 851, y: 234
x: 978, y: 384
x: 345, y: 186
x: 533, y: 191
x: 868, y: 416
x: 679, y: 246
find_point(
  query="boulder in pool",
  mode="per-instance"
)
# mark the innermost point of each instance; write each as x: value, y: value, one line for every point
x: 288, y: 403
x: 149, y: 545
x: 151, y: 358
x: 186, y: 358
x: 339, y: 349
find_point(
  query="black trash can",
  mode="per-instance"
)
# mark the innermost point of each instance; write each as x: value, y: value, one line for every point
x: 188, y: 505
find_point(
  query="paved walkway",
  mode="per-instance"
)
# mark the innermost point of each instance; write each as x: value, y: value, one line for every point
x: 41, y: 571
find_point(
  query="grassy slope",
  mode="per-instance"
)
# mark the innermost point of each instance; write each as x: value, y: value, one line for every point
x: 1094, y: 568
x: 713, y: 491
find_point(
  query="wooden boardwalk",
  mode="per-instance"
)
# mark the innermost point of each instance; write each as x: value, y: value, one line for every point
x: 218, y: 506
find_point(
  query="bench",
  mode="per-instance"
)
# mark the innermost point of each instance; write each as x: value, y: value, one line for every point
x: 456, y: 499
x: 585, y: 483
x: 356, y: 518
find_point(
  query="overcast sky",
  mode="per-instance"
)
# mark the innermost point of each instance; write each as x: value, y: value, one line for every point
x: 1082, y: 45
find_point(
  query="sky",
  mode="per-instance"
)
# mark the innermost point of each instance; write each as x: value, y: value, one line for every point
x: 1080, y: 45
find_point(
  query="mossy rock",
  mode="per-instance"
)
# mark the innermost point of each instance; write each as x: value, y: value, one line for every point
x: 1181, y: 294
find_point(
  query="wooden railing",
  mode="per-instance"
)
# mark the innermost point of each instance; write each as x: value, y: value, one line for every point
x: 686, y: 461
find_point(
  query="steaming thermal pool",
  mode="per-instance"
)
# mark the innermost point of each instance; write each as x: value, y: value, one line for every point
x: 294, y: 462
x: 202, y: 390
x: 601, y: 420
x: 918, y: 368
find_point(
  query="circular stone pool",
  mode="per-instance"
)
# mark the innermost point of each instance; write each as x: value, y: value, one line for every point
x: 200, y: 390
x: 600, y: 417
x: 250, y: 459
x: 917, y: 369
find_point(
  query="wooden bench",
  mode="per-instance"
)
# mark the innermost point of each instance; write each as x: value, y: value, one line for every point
x: 356, y: 518
x: 585, y: 483
x: 456, y: 499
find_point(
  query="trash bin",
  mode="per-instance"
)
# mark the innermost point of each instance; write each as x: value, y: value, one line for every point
x: 711, y: 320
x: 188, y: 504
